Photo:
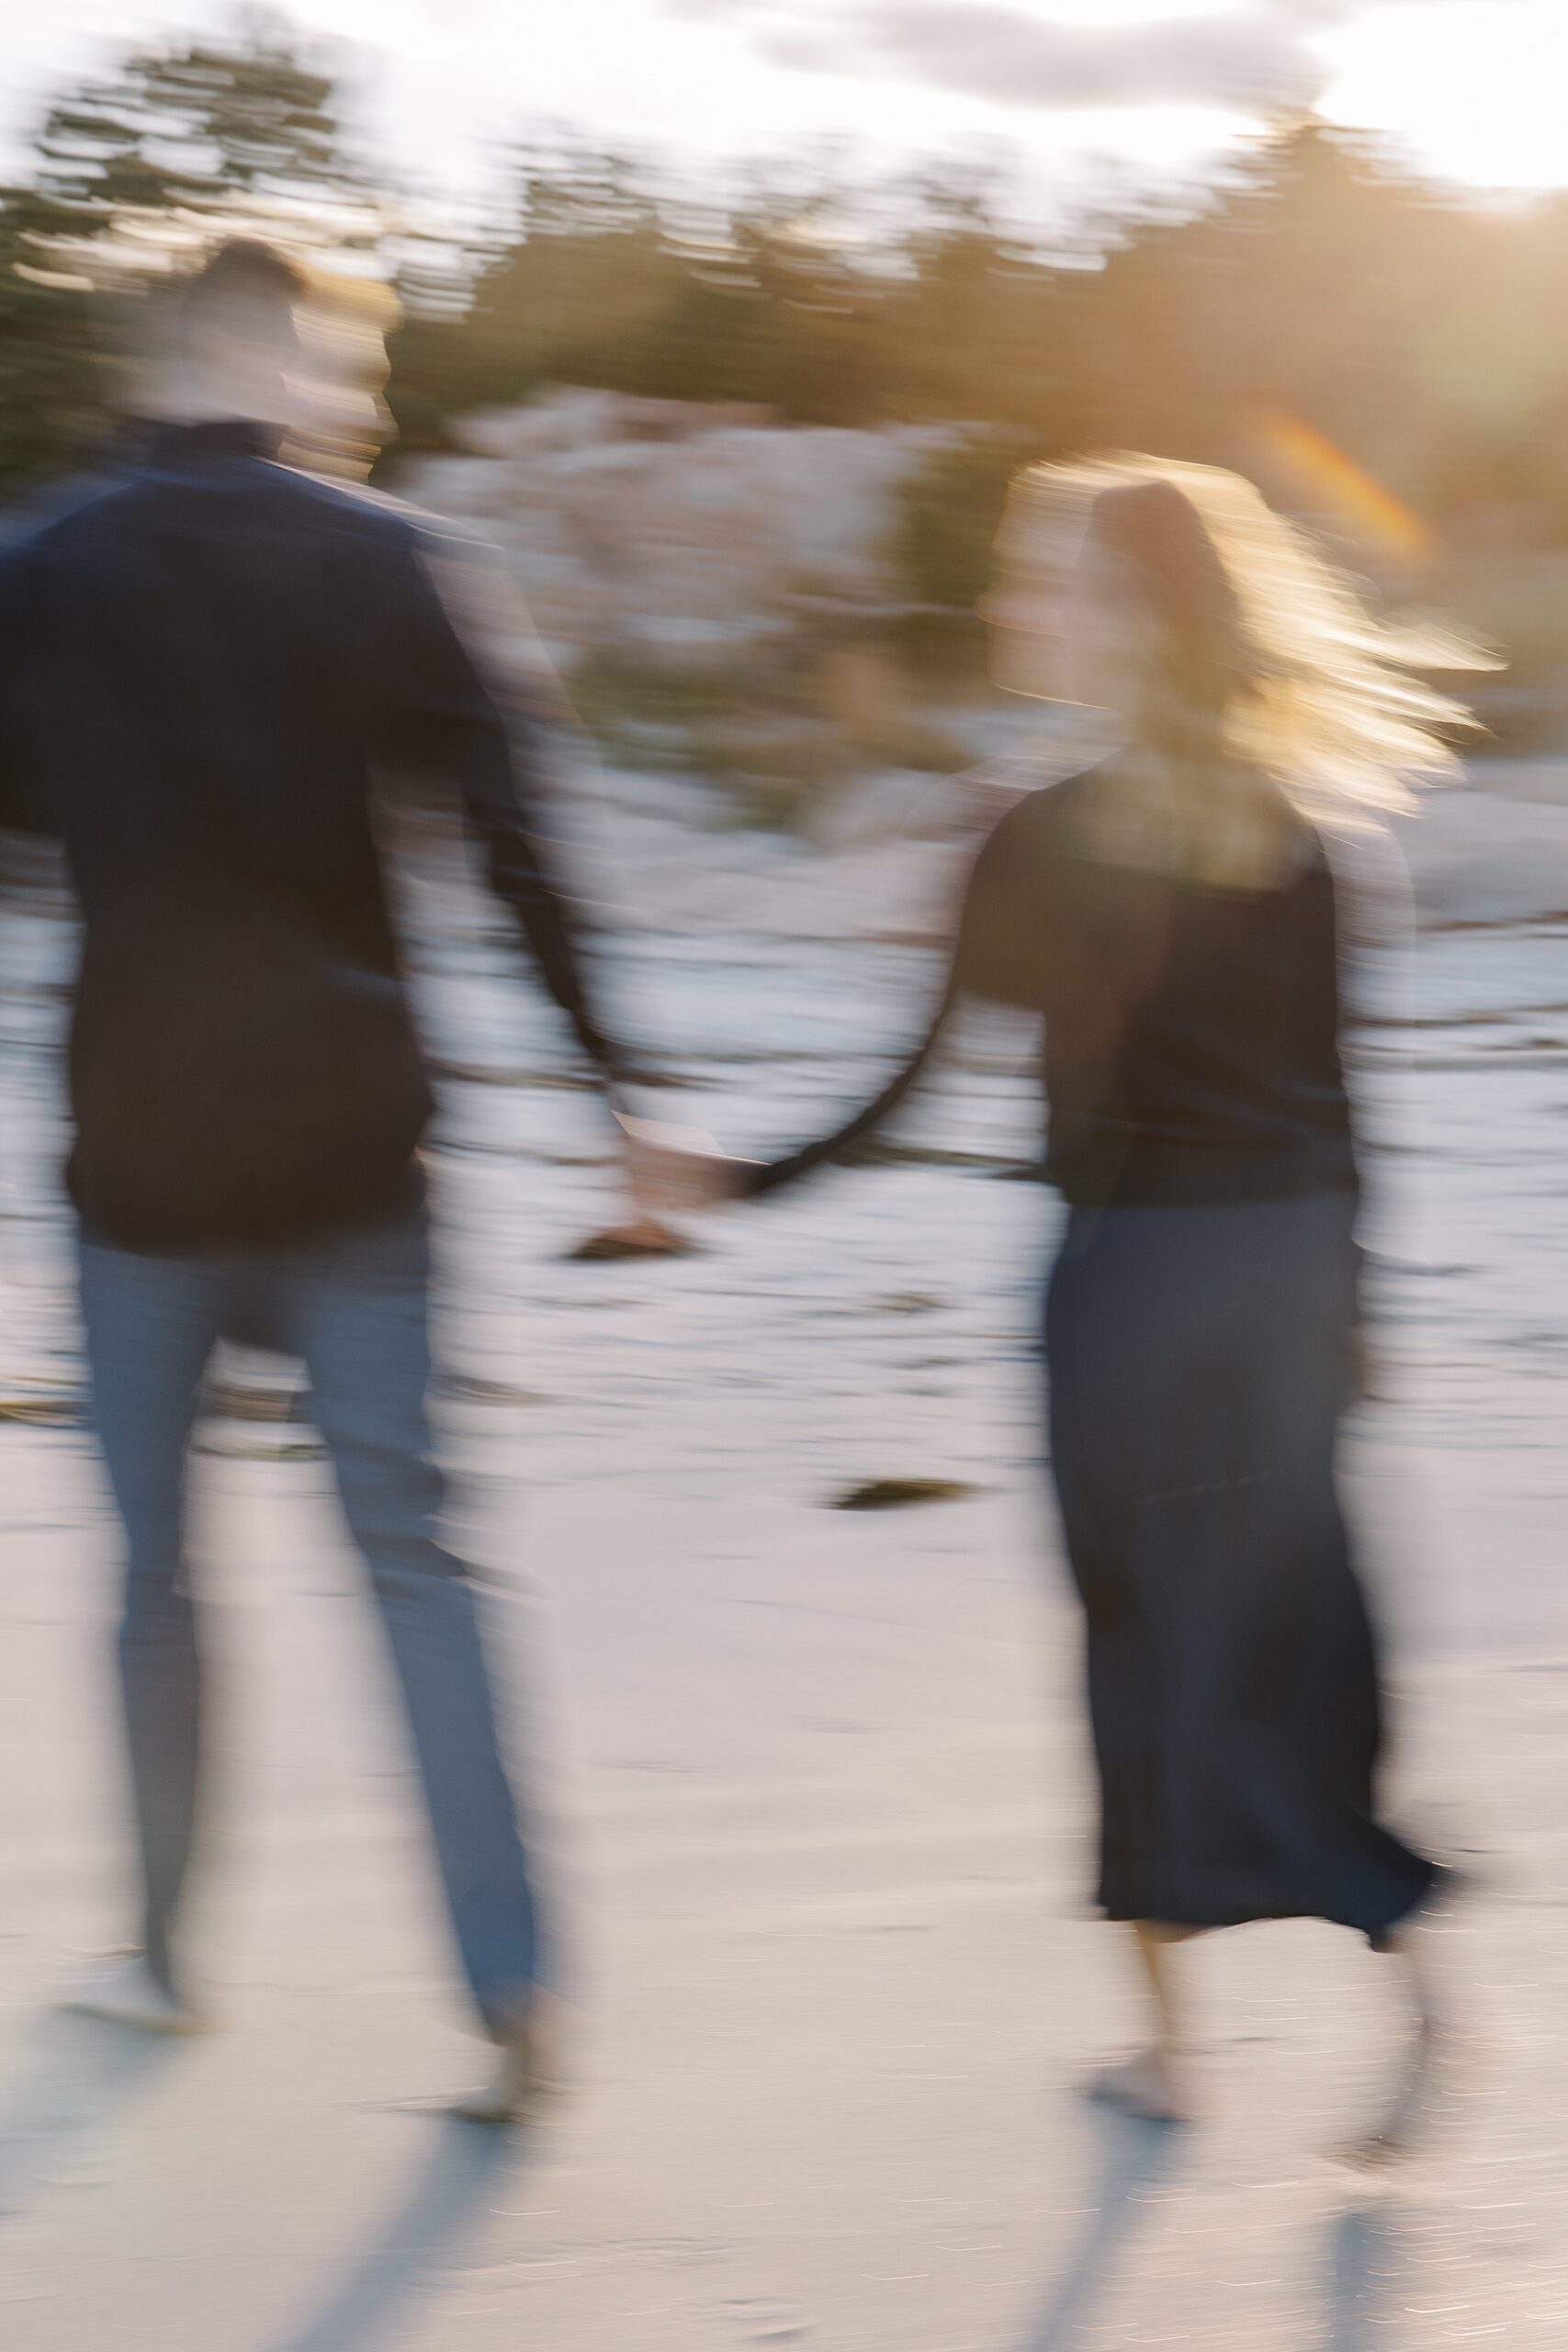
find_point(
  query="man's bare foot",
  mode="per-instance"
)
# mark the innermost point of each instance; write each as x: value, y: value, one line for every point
x: 1146, y: 2087
x: 529, y: 2079
x: 131, y: 1994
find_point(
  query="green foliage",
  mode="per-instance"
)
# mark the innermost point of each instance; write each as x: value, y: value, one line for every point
x: 1425, y: 339
x: 947, y: 515
x: 131, y: 169
x: 53, y: 367
x: 795, y: 299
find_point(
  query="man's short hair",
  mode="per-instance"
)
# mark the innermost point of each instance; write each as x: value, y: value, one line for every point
x: 246, y: 285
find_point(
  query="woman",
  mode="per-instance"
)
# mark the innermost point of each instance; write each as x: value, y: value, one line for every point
x: 1172, y: 913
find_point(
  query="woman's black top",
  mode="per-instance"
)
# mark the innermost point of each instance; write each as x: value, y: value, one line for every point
x: 1192, y: 1030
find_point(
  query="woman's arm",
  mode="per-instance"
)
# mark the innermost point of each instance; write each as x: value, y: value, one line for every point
x: 769, y: 1175
x: 975, y: 967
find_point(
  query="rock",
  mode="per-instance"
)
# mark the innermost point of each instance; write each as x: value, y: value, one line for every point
x: 281, y: 1400
x: 898, y: 1494
x: 467, y: 1388
x: 619, y: 1243
x: 46, y: 1408
x: 671, y: 530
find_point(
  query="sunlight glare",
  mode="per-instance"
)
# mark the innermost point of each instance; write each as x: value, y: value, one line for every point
x: 1473, y: 86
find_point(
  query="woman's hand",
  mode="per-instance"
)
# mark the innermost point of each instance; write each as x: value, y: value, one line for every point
x: 671, y: 1171
x: 677, y: 1170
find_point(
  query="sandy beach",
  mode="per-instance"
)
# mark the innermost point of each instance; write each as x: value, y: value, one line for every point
x: 813, y: 1781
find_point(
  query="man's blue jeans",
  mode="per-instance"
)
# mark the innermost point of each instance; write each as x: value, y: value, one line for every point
x: 355, y: 1308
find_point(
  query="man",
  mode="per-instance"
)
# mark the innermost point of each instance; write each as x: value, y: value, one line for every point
x: 205, y: 659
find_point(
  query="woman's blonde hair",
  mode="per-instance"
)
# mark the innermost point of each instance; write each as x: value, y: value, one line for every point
x: 1255, y: 659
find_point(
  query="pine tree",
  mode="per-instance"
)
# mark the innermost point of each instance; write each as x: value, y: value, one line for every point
x: 133, y: 170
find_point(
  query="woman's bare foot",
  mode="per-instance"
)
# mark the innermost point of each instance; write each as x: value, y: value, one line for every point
x: 1444, y: 2058
x: 1147, y: 2085
x: 1442, y: 2065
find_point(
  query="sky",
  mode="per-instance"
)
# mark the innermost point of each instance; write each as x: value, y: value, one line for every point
x: 1082, y: 94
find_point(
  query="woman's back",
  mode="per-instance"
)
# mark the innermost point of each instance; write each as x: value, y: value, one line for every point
x: 1191, y: 1030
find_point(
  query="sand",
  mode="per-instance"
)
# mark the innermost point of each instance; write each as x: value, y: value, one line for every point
x: 812, y: 1784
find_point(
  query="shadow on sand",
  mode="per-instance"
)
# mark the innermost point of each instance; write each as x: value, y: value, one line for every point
x: 76, y: 2078
x: 57, y: 2111
x: 1133, y: 2155
x: 1364, y: 2251
x: 1364, y: 2256
x: 467, y: 2163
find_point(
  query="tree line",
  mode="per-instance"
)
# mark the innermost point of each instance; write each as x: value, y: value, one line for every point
x: 1420, y: 338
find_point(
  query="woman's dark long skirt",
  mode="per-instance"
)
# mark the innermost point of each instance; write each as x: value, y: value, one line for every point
x: 1199, y: 1362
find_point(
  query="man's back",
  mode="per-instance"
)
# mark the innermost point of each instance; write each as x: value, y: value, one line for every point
x: 207, y: 660
x: 203, y: 659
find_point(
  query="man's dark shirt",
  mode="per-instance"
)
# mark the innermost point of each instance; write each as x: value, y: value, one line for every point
x: 205, y: 663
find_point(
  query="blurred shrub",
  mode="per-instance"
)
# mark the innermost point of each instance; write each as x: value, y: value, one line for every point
x: 632, y: 704
x: 777, y: 732
x: 948, y: 514
x: 133, y: 170
x: 868, y: 695
x: 1420, y: 340
x: 775, y: 769
x: 1515, y: 600
x: 1518, y: 597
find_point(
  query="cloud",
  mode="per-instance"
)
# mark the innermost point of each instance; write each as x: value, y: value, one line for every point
x: 1248, y: 60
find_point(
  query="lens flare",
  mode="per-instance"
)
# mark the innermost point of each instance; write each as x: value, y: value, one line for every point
x: 1324, y: 476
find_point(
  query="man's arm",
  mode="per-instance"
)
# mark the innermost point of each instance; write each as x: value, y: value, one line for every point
x: 458, y: 695
x: 22, y: 804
